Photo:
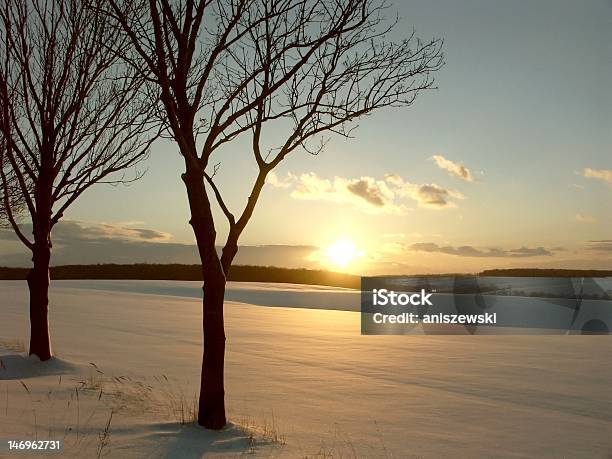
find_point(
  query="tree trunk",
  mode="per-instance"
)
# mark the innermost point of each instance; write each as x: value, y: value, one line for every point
x: 38, y: 284
x: 211, y: 413
x: 229, y: 252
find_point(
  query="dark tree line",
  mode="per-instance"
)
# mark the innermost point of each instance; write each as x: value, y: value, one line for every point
x: 147, y: 271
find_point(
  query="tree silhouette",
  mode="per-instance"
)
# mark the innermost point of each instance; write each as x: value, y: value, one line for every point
x: 71, y: 115
x: 230, y: 68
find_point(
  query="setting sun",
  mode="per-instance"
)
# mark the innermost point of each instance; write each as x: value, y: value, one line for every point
x: 342, y: 252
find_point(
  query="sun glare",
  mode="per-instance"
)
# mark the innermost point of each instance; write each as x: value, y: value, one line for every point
x: 342, y: 252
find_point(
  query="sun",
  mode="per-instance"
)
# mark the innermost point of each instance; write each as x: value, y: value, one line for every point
x: 342, y: 252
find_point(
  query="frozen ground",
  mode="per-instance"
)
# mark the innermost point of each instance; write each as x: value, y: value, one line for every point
x: 301, y: 381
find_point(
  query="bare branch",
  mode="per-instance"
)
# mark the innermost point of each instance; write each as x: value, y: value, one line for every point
x: 283, y: 81
x: 72, y: 113
x: 230, y: 217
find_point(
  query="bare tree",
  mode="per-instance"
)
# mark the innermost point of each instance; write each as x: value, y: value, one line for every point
x: 71, y: 115
x: 229, y: 68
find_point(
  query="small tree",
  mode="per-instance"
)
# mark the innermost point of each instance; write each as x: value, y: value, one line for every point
x: 70, y: 116
x: 308, y: 66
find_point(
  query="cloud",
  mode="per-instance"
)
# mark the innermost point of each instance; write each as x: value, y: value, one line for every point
x: 275, y: 181
x: 453, y: 168
x: 380, y: 196
x: 585, y: 218
x: 393, y: 248
x: 72, y: 230
x: 364, y: 193
x: 371, y: 191
x: 75, y: 230
x: 470, y: 251
x: 599, y: 174
x: 433, y: 195
x: 69, y: 230
x: 428, y: 195
x: 90, y: 243
x: 601, y: 245
x: 401, y: 235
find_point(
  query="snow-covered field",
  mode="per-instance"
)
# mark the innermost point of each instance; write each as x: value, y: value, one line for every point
x: 301, y: 380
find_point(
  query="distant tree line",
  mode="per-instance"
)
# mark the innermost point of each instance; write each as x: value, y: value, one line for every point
x: 249, y: 273
x: 191, y: 273
x: 538, y: 272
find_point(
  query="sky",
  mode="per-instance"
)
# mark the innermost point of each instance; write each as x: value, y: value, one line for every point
x: 507, y: 164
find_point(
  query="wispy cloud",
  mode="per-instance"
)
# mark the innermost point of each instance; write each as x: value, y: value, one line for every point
x: 72, y: 230
x: 393, y: 248
x: 90, y: 243
x: 598, y: 174
x: 470, y: 251
x: 453, y: 168
x: 401, y: 235
x: 585, y: 218
x: 600, y: 245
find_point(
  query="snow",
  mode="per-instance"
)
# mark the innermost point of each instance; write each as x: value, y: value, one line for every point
x: 300, y: 379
